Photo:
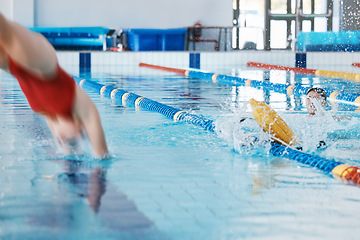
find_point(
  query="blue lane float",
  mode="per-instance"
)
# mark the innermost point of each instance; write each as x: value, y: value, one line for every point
x: 130, y: 99
x: 289, y: 89
x: 320, y: 163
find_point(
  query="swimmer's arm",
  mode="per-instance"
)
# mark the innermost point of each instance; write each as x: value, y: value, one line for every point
x: 339, y: 118
x: 52, y: 130
x: 95, y: 133
x: 90, y: 118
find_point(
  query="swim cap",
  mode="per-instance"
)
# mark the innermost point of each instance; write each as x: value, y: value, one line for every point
x: 320, y: 91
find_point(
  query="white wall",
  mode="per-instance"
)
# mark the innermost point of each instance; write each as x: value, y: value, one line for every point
x: 6, y: 8
x: 133, y: 13
x: 21, y: 11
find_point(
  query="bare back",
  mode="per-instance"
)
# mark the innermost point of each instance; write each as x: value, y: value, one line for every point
x: 27, y: 48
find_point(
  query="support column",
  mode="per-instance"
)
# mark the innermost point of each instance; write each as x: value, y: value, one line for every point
x: 267, y: 25
x: 236, y: 14
x: 194, y: 60
x: 300, y: 60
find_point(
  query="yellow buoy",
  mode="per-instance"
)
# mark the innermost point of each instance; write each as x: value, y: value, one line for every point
x: 273, y: 124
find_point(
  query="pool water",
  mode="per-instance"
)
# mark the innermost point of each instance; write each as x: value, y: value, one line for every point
x: 173, y: 180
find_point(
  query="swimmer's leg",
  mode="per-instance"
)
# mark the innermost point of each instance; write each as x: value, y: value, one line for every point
x: 27, y: 48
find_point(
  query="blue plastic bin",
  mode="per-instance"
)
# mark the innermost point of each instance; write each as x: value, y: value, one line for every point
x: 347, y: 41
x: 75, y: 38
x: 156, y: 39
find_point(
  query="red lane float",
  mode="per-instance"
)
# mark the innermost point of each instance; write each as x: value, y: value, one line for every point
x: 277, y: 67
x: 356, y: 64
x: 319, y: 73
x: 167, y: 69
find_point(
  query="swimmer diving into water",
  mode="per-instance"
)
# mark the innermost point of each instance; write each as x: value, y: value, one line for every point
x: 50, y: 91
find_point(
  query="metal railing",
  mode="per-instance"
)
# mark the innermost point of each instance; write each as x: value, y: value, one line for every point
x: 209, y: 38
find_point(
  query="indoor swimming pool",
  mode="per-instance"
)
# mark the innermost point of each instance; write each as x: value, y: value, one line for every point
x: 174, y: 180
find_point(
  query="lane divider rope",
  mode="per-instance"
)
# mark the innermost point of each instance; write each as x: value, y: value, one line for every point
x: 288, y: 89
x: 349, y: 174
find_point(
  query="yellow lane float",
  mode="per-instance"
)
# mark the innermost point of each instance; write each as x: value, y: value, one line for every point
x: 273, y: 124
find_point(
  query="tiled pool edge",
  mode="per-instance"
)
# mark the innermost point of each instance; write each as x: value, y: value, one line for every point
x: 340, y: 61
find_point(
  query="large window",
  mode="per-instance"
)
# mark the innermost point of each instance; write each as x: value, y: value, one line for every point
x: 251, y: 23
x: 277, y: 26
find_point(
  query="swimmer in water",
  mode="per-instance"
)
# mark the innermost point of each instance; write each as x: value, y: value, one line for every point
x: 316, y: 102
x: 50, y: 91
x: 315, y: 95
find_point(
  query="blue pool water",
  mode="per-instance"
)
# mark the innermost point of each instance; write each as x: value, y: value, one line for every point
x: 172, y: 180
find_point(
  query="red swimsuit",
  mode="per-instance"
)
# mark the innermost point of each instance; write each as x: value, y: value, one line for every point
x: 51, y: 97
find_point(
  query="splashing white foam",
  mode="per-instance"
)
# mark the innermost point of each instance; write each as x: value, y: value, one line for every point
x: 243, y: 134
x: 241, y: 131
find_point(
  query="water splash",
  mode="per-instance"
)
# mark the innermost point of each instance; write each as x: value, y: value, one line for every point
x: 241, y: 131
x: 243, y: 134
x: 339, y: 135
